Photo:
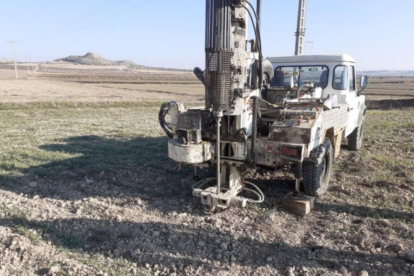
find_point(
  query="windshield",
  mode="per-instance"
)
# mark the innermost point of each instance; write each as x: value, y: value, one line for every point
x: 285, y: 75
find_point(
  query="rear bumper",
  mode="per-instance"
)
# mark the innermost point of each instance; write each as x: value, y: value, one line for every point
x: 276, y: 154
x: 268, y: 153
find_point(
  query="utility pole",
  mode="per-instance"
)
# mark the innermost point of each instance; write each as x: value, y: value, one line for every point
x: 14, y: 54
x: 28, y: 65
x: 300, y: 32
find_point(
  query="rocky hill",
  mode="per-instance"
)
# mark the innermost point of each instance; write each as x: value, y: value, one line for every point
x: 94, y: 59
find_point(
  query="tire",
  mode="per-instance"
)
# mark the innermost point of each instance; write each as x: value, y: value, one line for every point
x: 356, y: 138
x: 317, y: 170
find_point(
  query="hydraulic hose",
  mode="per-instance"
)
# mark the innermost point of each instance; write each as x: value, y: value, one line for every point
x: 256, y: 191
x: 259, y: 41
x: 254, y: 134
x: 161, y: 118
x: 200, y: 75
x: 255, y: 100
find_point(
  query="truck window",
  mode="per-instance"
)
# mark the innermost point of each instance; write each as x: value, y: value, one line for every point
x: 352, y: 83
x: 340, y: 81
x: 300, y: 75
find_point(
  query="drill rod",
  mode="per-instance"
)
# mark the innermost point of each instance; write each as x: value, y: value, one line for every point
x: 218, y: 119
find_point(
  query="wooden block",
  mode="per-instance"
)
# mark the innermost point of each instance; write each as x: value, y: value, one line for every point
x: 301, y: 206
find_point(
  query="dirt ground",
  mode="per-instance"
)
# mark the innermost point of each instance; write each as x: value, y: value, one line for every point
x: 86, y: 188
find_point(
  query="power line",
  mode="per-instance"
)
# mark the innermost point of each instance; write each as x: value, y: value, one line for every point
x: 100, y: 21
x: 79, y: 19
x: 12, y: 42
x: 70, y: 22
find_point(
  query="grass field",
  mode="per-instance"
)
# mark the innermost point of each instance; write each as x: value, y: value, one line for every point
x: 86, y: 188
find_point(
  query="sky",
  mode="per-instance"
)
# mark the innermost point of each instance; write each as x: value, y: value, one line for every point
x: 167, y: 33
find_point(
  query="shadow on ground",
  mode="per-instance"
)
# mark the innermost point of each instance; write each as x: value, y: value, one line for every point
x: 170, y: 245
x: 103, y: 167
x: 122, y: 169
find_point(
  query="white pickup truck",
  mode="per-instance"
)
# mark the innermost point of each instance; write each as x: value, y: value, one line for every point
x: 310, y: 104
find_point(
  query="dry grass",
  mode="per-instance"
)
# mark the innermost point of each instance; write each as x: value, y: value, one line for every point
x: 391, y: 86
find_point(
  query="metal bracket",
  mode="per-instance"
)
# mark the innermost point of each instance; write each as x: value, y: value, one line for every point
x: 209, y: 197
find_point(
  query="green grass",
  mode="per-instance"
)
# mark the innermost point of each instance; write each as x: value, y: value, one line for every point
x: 384, y: 164
x: 27, y: 232
x: 34, y: 230
x: 72, y: 105
x: 79, y: 142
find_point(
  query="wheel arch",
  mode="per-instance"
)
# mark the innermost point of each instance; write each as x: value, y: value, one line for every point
x: 361, y: 115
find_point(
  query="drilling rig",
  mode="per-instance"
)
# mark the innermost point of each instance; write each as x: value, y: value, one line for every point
x: 223, y: 133
x: 263, y: 113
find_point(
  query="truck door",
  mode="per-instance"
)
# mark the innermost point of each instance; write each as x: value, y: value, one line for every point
x: 353, y: 100
x: 344, y: 81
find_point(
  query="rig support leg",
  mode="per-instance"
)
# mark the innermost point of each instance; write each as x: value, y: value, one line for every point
x: 196, y: 177
x: 298, y: 177
x: 297, y: 186
x: 297, y: 202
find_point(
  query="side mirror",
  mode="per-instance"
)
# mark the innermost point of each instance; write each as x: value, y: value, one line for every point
x: 364, y: 82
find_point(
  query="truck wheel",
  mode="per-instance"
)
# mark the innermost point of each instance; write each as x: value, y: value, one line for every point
x: 317, y: 170
x: 356, y: 138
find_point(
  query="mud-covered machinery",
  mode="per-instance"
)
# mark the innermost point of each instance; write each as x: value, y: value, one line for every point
x: 280, y: 112
x: 217, y: 134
